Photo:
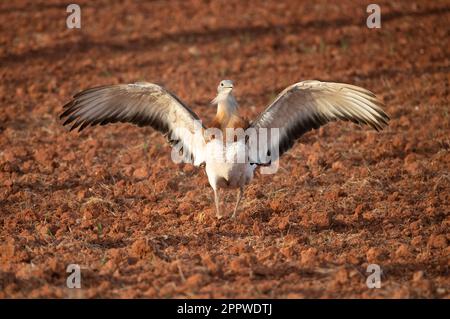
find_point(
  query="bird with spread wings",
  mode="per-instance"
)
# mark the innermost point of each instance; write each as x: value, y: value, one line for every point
x: 298, y: 109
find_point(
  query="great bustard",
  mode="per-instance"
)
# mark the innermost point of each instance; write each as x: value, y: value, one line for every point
x: 301, y: 107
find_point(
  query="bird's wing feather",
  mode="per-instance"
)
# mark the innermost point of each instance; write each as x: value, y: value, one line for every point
x: 308, y: 105
x: 143, y: 104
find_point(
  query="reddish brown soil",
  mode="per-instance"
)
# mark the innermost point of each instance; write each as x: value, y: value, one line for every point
x: 111, y: 200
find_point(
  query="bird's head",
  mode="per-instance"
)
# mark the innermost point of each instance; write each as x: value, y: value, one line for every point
x: 225, y: 86
x: 224, y: 94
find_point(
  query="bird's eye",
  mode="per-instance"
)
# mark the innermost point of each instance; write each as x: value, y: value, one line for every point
x: 221, y: 84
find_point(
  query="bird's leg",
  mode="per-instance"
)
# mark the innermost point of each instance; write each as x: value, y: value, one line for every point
x: 216, y: 200
x: 238, y: 200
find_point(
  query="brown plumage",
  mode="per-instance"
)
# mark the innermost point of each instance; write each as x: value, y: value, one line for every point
x: 227, y: 116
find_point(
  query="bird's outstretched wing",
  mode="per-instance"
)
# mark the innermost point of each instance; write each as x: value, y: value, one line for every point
x: 143, y: 104
x: 308, y: 105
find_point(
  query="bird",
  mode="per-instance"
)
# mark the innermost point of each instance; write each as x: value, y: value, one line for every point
x: 299, y: 108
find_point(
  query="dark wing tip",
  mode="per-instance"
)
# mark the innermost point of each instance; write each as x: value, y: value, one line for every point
x: 67, y: 110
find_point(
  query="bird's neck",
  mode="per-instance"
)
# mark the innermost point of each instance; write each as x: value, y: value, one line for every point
x: 227, y: 108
